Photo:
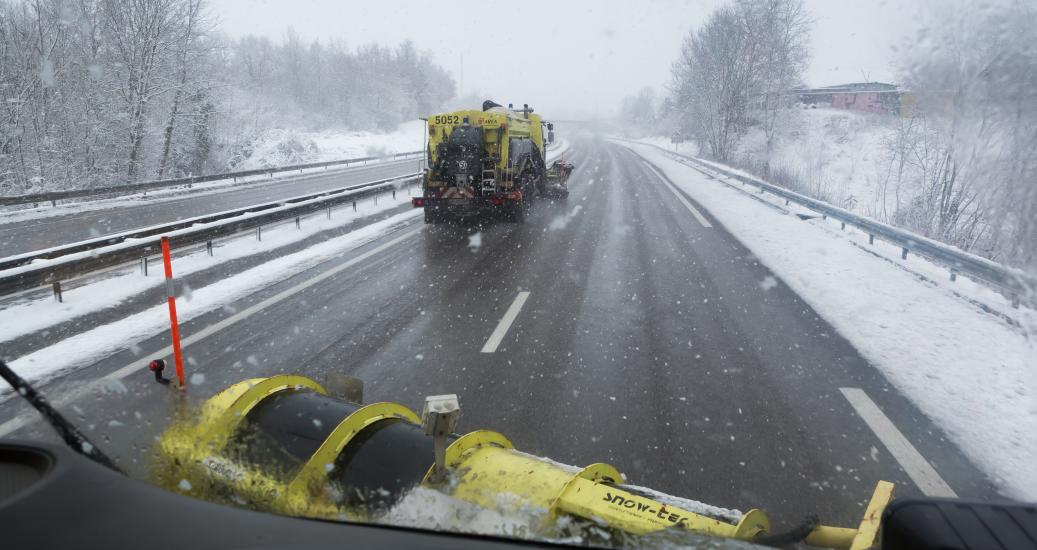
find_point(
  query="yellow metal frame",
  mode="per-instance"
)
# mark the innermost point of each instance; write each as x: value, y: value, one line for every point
x: 868, y: 532
x: 597, y: 472
x: 195, y: 449
x: 487, y: 467
x: 222, y: 414
x: 305, y: 491
x: 866, y: 535
x: 484, y: 464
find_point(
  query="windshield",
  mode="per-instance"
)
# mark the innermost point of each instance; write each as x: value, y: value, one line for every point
x: 587, y: 273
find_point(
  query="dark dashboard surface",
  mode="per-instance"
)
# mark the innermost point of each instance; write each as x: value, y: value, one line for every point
x: 51, y: 497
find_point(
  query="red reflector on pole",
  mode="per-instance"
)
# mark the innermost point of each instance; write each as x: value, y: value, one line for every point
x: 171, y: 299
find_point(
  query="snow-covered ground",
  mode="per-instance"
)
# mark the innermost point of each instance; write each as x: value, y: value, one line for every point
x: 101, y: 341
x: 970, y: 371
x: 685, y: 148
x: 275, y: 148
x: 282, y: 147
x: 36, y: 311
x: 838, y: 156
x: 835, y: 155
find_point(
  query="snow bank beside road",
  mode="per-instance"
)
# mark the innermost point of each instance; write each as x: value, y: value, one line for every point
x: 968, y: 371
x: 274, y: 149
x: 93, y: 345
x: 834, y: 155
x: 26, y: 314
x: 285, y: 147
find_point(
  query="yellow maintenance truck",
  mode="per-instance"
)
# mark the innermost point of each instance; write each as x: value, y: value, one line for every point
x: 491, y: 161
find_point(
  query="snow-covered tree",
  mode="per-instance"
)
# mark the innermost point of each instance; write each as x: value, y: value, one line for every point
x: 971, y: 76
x: 738, y: 66
x: 97, y: 92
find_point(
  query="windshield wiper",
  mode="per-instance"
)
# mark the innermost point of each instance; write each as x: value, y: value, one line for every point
x: 68, y: 432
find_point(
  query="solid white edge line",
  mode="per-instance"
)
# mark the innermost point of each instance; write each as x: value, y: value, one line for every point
x: 680, y: 196
x: 505, y: 322
x: 912, y: 461
x: 138, y: 366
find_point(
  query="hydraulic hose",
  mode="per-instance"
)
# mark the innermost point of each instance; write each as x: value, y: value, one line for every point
x: 798, y: 533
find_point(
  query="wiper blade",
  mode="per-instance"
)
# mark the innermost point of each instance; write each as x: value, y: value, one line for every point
x: 68, y: 431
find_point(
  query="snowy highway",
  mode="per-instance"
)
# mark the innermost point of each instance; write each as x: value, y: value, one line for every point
x: 25, y: 231
x: 625, y: 325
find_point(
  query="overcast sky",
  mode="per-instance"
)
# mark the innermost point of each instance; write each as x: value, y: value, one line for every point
x: 567, y: 58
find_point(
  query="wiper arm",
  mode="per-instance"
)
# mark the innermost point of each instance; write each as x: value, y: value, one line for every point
x: 68, y: 432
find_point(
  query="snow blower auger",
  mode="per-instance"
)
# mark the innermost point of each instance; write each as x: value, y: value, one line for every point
x: 284, y: 445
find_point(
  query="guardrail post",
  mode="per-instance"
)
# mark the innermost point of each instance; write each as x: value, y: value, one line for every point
x: 376, y: 198
x: 871, y: 239
x: 903, y: 253
x: 259, y: 233
x: 393, y: 194
x: 954, y: 275
x: 354, y: 205
x: 329, y: 212
x: 843, y: 226
x: 208, y: 247
x: 297, y: 226
x: 54, y: 203
x: 57, y: 291
x: 144, y: 265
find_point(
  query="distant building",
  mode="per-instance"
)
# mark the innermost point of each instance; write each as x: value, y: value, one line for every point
x: 867, y: 97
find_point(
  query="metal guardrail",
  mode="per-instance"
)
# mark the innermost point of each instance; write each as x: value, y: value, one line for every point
x: 131, y: 188
x: 1014, y: 283
x: 17, y: 273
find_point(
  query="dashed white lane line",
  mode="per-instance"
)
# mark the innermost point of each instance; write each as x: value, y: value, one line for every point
x: 138, y: 366
x: 912, y: 461
x: 505, y: 323
x: 680, y: 196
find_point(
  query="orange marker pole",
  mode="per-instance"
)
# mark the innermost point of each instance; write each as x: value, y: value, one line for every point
x: 171, y: 299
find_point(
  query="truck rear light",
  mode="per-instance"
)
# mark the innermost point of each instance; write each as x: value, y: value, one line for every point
x: 418, y: 201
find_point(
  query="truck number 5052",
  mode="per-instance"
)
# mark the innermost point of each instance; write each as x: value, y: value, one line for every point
x: 446, y: 119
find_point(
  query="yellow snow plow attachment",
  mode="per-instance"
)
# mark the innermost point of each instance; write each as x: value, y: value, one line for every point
x: 283, y: 445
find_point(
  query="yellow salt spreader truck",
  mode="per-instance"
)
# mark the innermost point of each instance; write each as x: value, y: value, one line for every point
x: 489, y: 163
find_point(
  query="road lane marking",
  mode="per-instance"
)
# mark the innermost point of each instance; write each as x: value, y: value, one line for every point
x: 505, y: 323
x: 139, y: 366
x: 680, y: 196
x: 912, y: 461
